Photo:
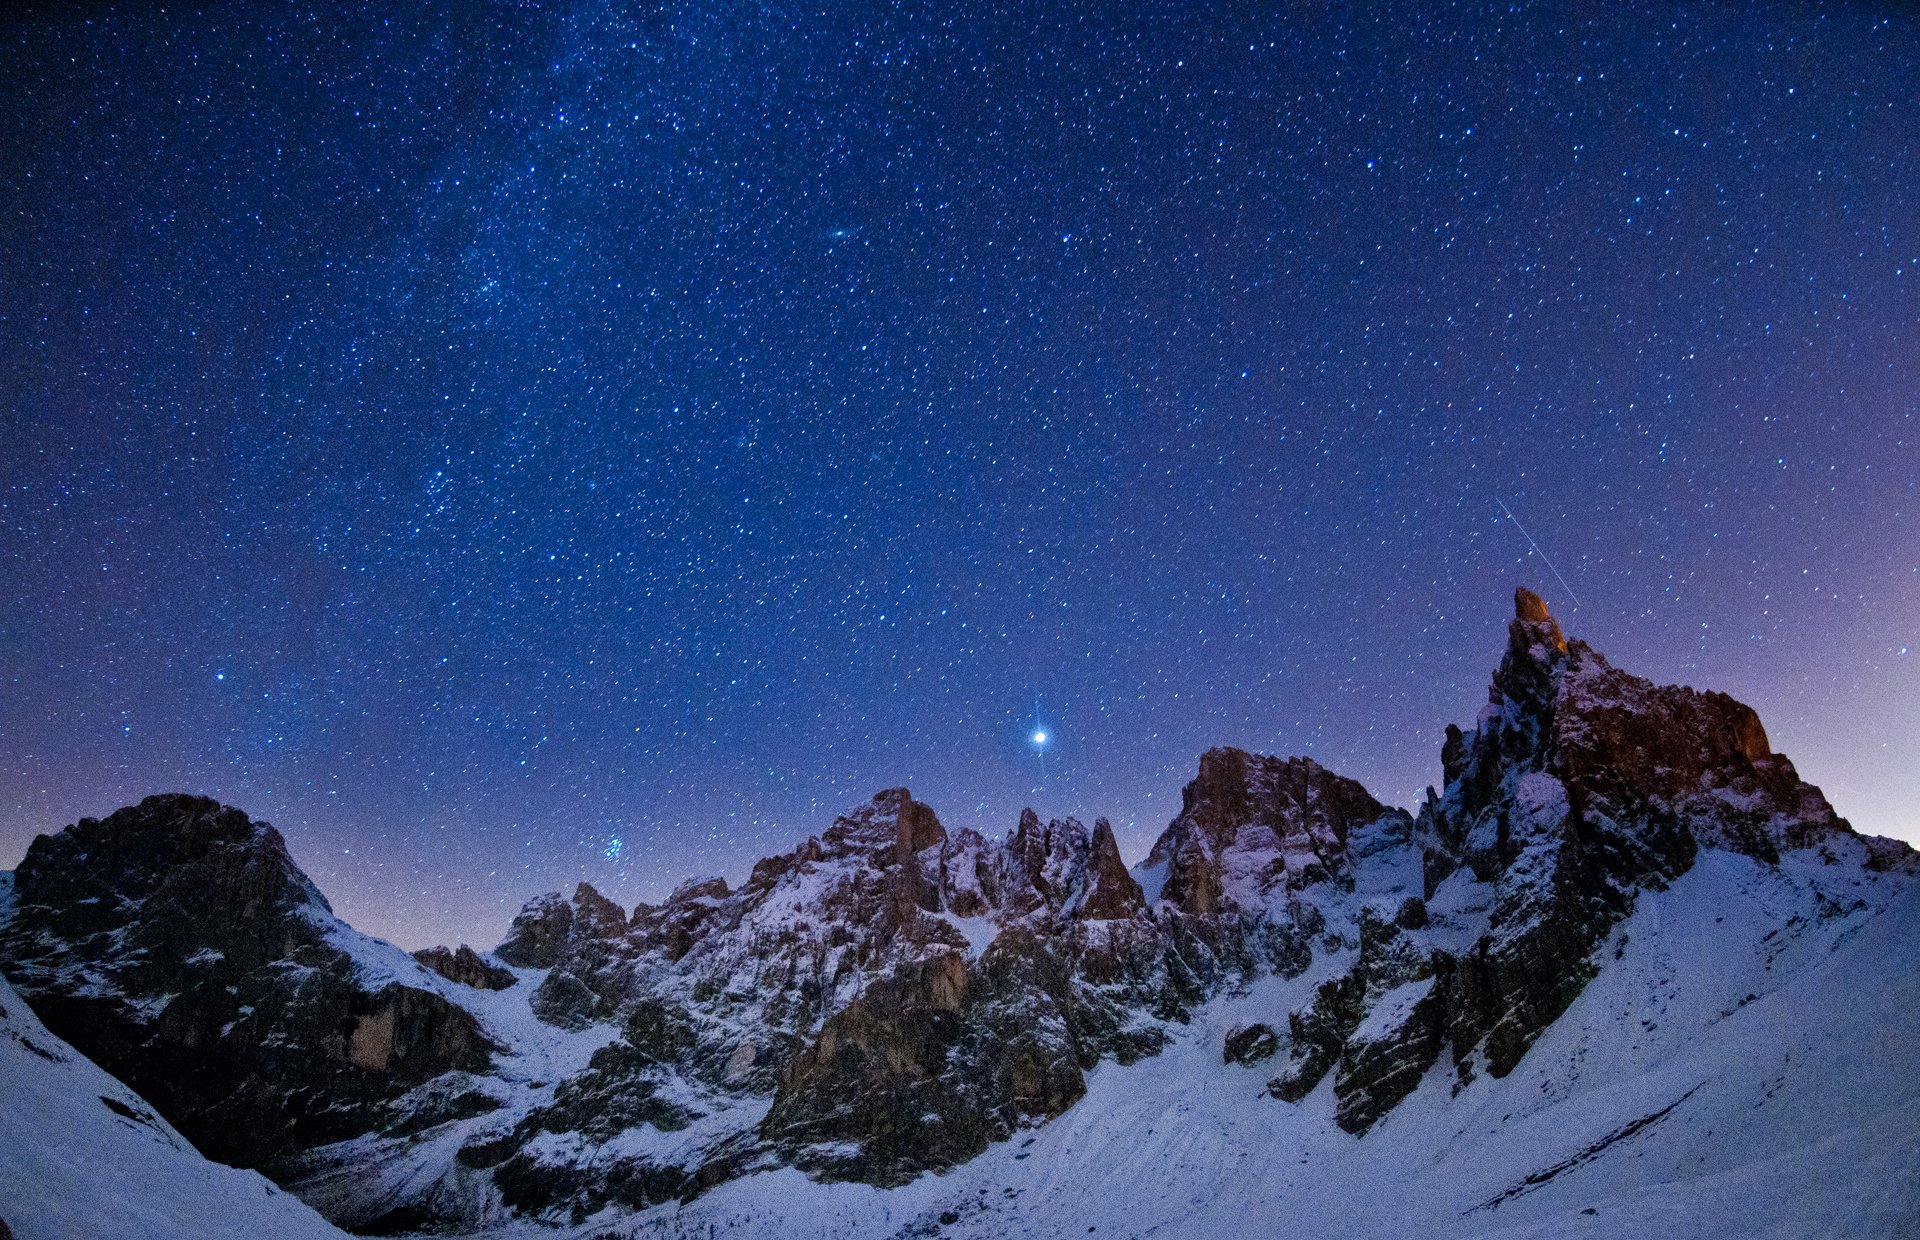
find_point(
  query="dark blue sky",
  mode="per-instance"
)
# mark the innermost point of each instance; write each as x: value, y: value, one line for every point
x: 510, y: 444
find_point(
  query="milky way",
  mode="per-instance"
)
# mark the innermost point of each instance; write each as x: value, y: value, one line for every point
x: 508, y: 445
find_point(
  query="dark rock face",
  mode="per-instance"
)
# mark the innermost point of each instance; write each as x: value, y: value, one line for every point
x: 177, y: 945
x: 539, y: 933
x: 1063, y: 871
x: 1317, y: 1035
x: 1111, y: 891
x: 567, y: 1001
x: 878, y: 1067
x: 1363, y: 1022
x: 182, y: 872
x: 466, y: 967
x: 930, y: 1065
x: 1383, y: 1062
x: 947, y: 1052
x: 598, y: 919
x: 619, y: 1091
x: 550, y: 928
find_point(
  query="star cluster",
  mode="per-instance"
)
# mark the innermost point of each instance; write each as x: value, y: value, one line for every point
x: 511, y: 444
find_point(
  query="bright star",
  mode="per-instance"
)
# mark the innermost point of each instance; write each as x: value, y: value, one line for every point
x: 1039, y: 738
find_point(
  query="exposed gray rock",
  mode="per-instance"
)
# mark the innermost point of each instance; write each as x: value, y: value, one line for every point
x: 562, y: 999
x: 1247, y: 1045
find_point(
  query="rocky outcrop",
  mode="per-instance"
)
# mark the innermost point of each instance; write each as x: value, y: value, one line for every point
x: 82, y: 1157
x: 1579, y: 787
x: 878, y: 1078
x: 465, y: 966
x: 1247, y: 1045
x: 1063, y: 870
x: 1111, y: 892
x: 539, y: 933
x: 936, y: 1061
x: 177, y: 945
x: 1361, y: 1021
x: 1385, y: 1057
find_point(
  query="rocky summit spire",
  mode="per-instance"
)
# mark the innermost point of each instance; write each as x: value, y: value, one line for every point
x: 1533, y: 623
x: 1529, y: 606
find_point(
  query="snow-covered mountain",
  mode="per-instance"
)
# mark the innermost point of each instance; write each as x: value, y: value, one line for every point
x: 1623, y: 970
x: 83, y: 1155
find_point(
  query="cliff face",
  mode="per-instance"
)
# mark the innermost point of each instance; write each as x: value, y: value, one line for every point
x: 890, y: 996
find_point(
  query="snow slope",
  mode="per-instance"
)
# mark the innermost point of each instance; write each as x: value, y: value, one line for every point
x: 1746, y: 1063
x: 83, y: 1155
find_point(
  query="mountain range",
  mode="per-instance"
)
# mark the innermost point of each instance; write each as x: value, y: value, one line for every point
x: 1623, y: 973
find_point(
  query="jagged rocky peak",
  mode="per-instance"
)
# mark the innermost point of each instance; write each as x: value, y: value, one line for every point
x: 1579, y: 786
x: 1067, y: 871
x: 187, y: 866
x: 1112, y: 892
x: 1530, y: 608
x: 550, y: 927
x: 709, y: 889
x: 538, y: 934
x: 888, y: 996
x: 177, y: 944
x: 888, y: 829
x: 892, y: 819
x: 1251, y: 825
x: 1568, y: 743
x: 595, y: 916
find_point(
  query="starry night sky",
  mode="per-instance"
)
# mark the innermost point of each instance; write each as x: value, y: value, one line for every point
x: 506, y: 444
